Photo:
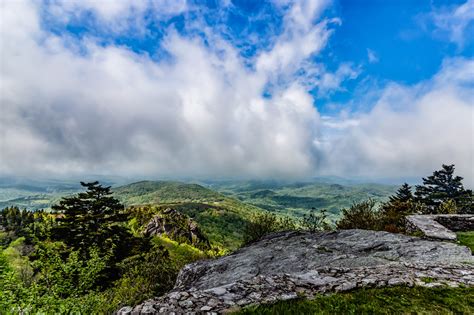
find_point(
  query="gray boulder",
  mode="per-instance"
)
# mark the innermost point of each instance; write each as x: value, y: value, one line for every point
x: 289, y: 264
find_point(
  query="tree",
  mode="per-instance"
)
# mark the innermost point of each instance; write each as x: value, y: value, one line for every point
x: 443, y: 186
x: 403, y: 194
x: 92, y: 218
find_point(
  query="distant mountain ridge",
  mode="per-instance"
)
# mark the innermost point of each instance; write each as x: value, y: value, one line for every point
x: 152, y: 192
x: 299, y: 198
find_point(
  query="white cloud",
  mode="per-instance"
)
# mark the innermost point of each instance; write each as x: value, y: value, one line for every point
x: 454, y: 22
x: 372, y: 56
x: 300, y: 40
x: 109, y: 110
x: 329, y: 82
x: 411, y: 130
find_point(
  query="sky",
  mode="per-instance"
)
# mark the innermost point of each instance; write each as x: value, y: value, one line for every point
x: 236, y: 89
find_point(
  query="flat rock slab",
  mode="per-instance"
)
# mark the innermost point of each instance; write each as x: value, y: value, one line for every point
x: 441, y: 226
x: 288, y: 264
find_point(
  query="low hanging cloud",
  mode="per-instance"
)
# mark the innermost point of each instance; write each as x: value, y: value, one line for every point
x: 411, y: 130
x: 73, y: 106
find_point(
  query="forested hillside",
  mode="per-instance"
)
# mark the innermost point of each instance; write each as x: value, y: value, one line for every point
x: 297, y: 199
x: 221, y: 218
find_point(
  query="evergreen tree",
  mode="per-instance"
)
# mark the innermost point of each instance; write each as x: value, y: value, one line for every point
x: 92, y: 218
x: 443, y: 186
x: 403, y: 194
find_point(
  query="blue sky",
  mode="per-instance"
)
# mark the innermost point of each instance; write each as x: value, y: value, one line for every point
x: 398, y: 35
x: 246, y: 88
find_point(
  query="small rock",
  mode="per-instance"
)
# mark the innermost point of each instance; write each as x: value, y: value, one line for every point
x: 288, y: 296
x: 148, y: 309
x: 346, y: 286
x: 395, y: 281
x: 186, y: 303
x: 174, y: 295
x: 206, y: 308
x: 126, y: 310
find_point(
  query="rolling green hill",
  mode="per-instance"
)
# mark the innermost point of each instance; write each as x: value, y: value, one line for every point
x: 297, y: 199
x: 220, y: 208
x: 221, y: 218
x: 157, y: 192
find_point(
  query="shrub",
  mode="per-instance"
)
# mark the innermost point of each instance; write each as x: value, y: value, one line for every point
x: 363, y: 215
x: 447, y: 207
x: 392, y: 214
x: 144, y: 276
x: 315, y: 222
x: 264, y: 223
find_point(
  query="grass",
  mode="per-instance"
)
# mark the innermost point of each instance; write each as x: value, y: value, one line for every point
x: 181, y: 254
x: 466, y: 239
x: 395, y: 300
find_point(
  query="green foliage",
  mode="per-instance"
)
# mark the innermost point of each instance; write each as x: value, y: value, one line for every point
x: 96, y: 219
x: 220, y: 218
x: 316, y: 222
x: 448, y: 206
x: 62, y: 273
x: 144, y: 276
x: 466, y: 239
x: 49, y: 282
x: 20, y: 222
x: 181, y: 253
x: 264, y: 223
x: 90, y: 218
x: 441, y: 187
x: 396, y: 300
x: 392, y: 214
x: 98, y: 266
x: 297, y: 199
x: 403, y: 194
x: 176, y: 225
x: 363, y: 215
x: 160, y: 192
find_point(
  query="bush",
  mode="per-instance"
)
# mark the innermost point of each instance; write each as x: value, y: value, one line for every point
x: 62, y: 273
x: 265, y: 223
x: 363, y: 215
x: 392, y: 214
x: 143, y: 276
x: 447, y: 207
x: 315, y: 222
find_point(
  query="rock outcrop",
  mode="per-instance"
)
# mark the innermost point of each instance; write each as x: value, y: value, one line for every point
x: 289, y: 264
x: 440, y: 226
x: 178, y: 227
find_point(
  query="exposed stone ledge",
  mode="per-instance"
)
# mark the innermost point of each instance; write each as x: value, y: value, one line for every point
x: 441, y: 226
x: 290, y: 264
x: 268, y: 289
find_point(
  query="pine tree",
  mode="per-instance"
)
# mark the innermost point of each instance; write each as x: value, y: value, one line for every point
x: 91, y: 218
x: 443, y: 186
x: 403, y: 194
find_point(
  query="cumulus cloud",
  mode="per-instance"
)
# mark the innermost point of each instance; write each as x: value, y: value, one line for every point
x: 110, y: 110
x: 74, y: 106
x: 411, y: 130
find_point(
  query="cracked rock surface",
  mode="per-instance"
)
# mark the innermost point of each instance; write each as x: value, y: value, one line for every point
x: 289, y: 264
